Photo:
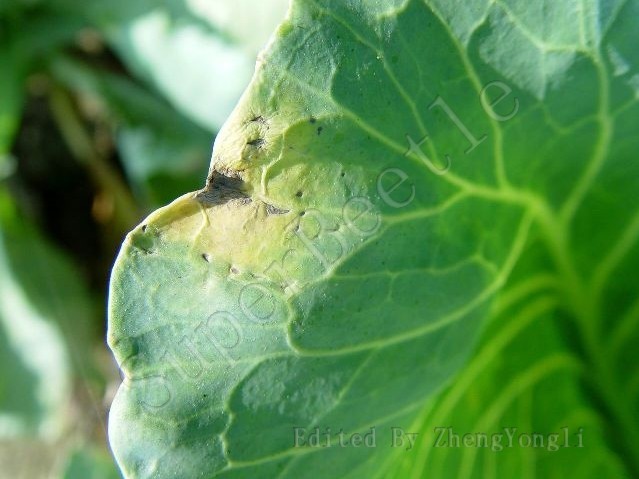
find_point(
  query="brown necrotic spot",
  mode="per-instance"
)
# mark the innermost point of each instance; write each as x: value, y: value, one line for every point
x: 222, y: 187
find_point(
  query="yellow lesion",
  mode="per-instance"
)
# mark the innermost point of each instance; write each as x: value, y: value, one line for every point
x: 231, y: 233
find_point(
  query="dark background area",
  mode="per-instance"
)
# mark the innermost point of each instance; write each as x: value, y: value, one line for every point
x: 108, y: 110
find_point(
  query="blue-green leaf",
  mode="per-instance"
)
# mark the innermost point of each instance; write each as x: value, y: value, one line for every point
x: 401, y: 179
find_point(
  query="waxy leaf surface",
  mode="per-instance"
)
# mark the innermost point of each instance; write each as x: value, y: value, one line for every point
x: 421, y: 214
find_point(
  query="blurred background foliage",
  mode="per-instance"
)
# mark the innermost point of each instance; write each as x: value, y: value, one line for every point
x: 108, y: 109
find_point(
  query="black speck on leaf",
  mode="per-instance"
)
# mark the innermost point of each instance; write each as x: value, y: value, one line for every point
x: 258, y: 142
x: 258, y: 119
x: 274, y: 210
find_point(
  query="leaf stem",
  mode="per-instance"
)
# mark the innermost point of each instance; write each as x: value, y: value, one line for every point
x: 624, y: 435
